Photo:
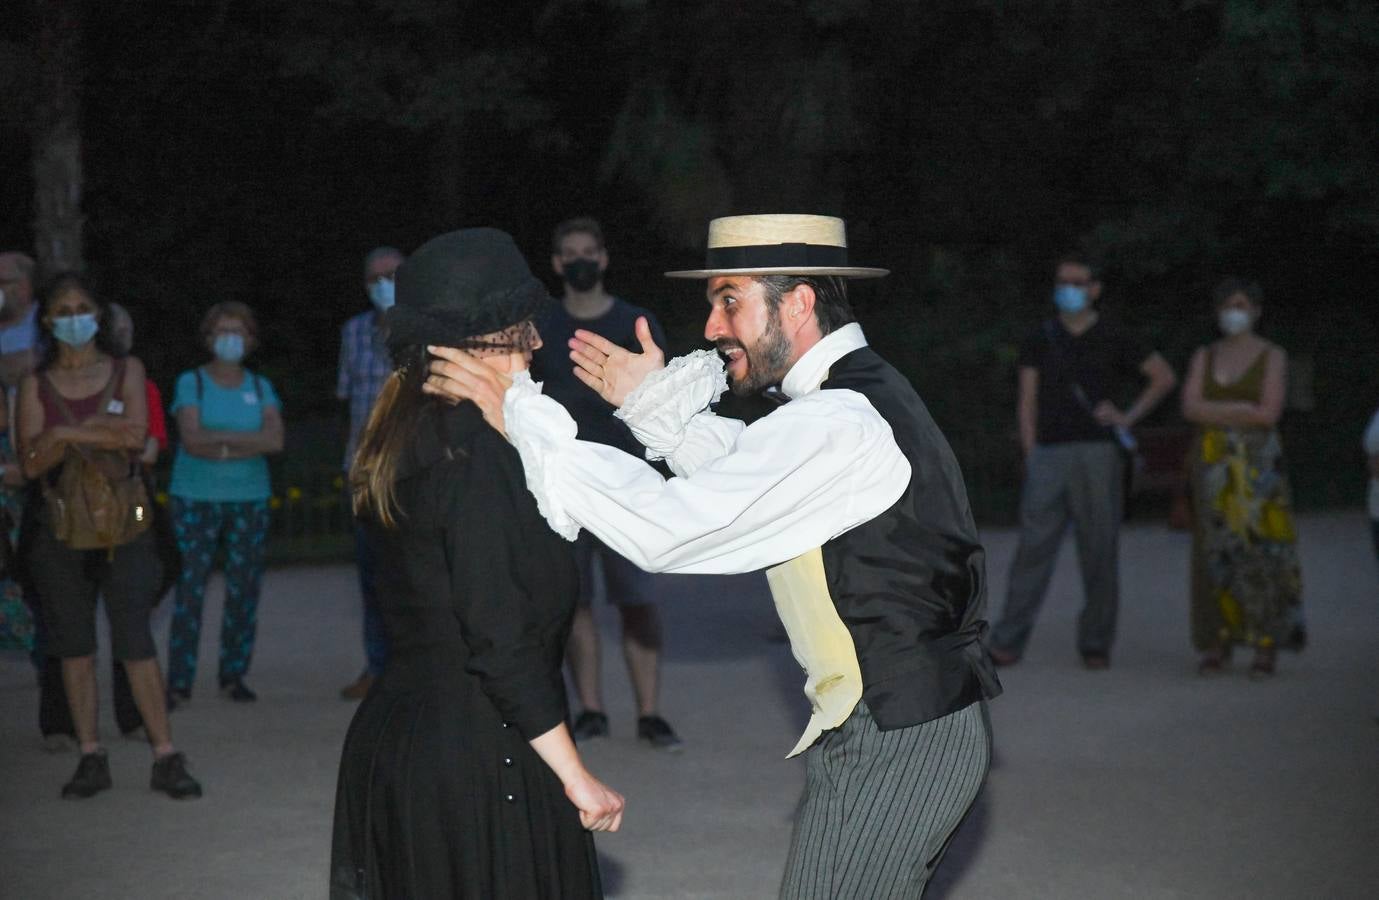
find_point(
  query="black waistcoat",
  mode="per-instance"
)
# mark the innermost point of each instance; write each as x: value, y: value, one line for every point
x: 910, y: 585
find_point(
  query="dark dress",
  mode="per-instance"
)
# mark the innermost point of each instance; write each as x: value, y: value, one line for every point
x: 440, y: 795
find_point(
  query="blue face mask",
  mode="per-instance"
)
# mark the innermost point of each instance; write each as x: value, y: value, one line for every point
x: 381, y: 294
x: 1070, y: 298
x: 229, y: 347
x: 75, y: 330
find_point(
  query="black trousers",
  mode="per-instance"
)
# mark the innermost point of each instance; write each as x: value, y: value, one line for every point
x: 54, y: 715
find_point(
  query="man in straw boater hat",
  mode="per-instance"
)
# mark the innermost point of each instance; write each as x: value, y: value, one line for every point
x: 848, y: 496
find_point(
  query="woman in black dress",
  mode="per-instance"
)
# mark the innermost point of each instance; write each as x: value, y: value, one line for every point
x: 458, y: 776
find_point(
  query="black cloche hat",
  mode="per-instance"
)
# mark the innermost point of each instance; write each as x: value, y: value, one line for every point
x: 460, y: 285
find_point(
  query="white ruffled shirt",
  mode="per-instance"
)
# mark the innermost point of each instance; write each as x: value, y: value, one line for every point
x: 748, y: 497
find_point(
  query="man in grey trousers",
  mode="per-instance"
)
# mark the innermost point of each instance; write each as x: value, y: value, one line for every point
x: 1074, y: 370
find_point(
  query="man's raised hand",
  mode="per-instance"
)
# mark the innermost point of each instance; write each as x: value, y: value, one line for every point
x: 457, y: 376
x: 612, y: 371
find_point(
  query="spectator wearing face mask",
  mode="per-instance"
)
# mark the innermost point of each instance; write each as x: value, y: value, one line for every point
x: 364, y: 366
x: 228, y: 420
x: 1084, y: 383
x: 580, y: 257
x: 1246, y: 581
x: 83, y: 420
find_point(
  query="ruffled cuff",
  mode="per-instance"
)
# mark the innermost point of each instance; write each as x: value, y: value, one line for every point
x: 660, y: 409
x: 536, y: 426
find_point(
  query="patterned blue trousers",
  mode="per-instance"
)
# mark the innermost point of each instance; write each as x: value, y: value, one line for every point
x: 202, y: 526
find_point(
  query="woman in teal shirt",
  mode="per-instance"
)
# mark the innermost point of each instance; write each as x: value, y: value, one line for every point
x: 228, y: 418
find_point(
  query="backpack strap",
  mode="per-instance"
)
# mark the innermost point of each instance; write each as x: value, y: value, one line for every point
x: 1057, y: 346
x: 116, y: 382
x: 201, y: 386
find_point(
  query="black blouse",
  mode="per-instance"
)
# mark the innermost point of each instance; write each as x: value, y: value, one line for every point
x: 474, y: 570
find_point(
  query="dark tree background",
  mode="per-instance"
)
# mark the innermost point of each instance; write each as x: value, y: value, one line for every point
x: 254, y: 150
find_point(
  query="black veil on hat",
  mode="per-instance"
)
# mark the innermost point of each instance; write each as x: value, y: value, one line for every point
x: 461, y: 285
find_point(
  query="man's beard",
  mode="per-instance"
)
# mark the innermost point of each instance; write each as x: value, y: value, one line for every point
x: 767, y: 360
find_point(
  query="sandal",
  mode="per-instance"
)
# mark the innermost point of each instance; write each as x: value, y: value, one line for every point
x: 1214, y: 660
x: 1263, y: 665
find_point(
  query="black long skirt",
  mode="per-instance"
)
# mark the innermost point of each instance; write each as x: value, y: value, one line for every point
x: 437, y: 798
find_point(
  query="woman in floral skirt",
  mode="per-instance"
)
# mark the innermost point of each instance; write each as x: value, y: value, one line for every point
x: 1246, y: 581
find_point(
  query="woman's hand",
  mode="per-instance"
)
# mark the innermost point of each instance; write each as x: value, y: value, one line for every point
x: 600, y: 807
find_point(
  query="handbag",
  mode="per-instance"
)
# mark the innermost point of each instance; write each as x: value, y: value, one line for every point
x: 98, y: 501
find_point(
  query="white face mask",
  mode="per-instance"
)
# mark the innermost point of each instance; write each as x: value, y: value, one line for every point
x: 1234, y: 321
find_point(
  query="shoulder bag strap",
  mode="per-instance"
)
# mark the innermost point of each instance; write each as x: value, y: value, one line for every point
x: 1056, y: 354
x: 117, y: 368
x: 47, y: 387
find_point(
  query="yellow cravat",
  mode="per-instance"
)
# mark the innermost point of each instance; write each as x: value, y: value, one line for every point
x: 820, y: 641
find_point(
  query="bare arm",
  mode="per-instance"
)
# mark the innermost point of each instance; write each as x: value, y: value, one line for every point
x: 125, y: 430
x: 600, y: 807
x: 1161, y: 382
x: 39, y: 448
x: 1027, y: 410
x: 214, y: 443
x: 11, y: 473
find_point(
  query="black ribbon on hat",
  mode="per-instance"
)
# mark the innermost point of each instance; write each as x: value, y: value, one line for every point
x: 777, y: 256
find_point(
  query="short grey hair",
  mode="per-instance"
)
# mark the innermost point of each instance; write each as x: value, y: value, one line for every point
x: 23, y: 262
x: 378, y: 253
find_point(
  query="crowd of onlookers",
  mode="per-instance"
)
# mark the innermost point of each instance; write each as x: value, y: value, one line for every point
x: 1085, y: 383
x: 83, y: 427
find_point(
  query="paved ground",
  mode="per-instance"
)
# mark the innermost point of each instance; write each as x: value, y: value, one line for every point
x: 1141, y: 782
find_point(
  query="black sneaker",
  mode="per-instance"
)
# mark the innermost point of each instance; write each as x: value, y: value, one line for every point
x: 590, y: 724
x: 1296, y: 640
x: 170, y: 776
x: 237, y: 690
x: 657, y: 732
x: 178, y: 697
x: 92, y: 777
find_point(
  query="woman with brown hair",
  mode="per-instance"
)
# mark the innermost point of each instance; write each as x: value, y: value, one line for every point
x: 1246, y: 583
x: 458, y: 776
x: 86, y: 409
x: 228, y: 420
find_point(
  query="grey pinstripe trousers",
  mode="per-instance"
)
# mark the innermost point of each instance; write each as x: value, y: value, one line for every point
x: 880, y: 806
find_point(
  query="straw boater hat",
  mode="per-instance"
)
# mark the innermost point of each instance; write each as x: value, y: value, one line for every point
x: 778, y: 245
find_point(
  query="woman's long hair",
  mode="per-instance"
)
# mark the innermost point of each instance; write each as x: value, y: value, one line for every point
x: 373, y: 474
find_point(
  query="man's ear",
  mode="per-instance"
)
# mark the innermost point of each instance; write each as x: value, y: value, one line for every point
x: 555, y: 264
x: 797, y: 307
x: 1094, y: 290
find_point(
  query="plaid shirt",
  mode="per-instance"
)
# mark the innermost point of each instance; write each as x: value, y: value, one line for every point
x: 364, y: 366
